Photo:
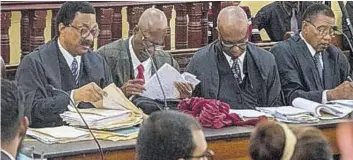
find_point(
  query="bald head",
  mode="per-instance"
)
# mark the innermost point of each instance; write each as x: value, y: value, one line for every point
x: 152, y: 20
x: 232, y: 23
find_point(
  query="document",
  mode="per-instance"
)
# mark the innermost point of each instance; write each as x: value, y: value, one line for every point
x: 322, y: 111
x: 248, y: 113
x: 289, y: 114
x: 168, y: 76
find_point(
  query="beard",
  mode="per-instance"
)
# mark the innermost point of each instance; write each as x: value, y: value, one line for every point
x: 143, y: 56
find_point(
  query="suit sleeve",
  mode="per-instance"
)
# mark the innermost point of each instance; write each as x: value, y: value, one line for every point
x: 262, y: 18
x: 191, y: 69
x: 291, y: 82
x: 43, y: 106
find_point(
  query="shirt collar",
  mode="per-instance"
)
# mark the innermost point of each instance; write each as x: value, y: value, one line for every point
x: 135, y: 61
x: 8, y: 154
x: 240, y: 58
x: 68, y: 57
x: 311, y: 49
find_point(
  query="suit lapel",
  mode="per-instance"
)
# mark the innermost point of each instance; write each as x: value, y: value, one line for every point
x: 306, y: 61
x: 124, y: 66
x: 50, y: 62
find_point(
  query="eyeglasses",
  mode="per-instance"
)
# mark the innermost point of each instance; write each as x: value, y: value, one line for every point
x: 85, y: 32
x: 324, y: 30
x: 149, y: 44
x: 240, y: 44
x: 208, y: 154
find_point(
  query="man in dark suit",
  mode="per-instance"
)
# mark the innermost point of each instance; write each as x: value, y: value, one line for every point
x: 233, y: 70
x: 280, y: 17
x: 309, y: 66
x: 66, y: 63
x: 14, y: 123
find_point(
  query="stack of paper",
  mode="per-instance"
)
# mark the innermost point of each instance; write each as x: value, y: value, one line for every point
x: 62, y: 134
x: 247, y: 114
x: 168, y: 76
x: 289, y: 114
x: 117, y: 112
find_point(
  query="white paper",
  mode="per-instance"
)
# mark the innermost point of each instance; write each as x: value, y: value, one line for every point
x: 168, y: 76
x: 284, y: 110
x: 247, y: 113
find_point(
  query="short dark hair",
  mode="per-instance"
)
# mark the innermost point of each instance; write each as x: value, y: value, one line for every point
x: 316, y: 9
x: 166, y: 135
x: 268, y: 140
x: 12, y: 109
x: 68, y: 10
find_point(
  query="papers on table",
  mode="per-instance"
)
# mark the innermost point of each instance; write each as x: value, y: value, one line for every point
x: 289, y: 114
x: 62, y: 134
x: 117, y: 112
x: 168, y: 76
x: 249, y: 114
x: 323, y: 111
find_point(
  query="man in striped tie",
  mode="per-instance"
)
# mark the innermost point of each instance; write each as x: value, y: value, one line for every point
x: 65, y: 63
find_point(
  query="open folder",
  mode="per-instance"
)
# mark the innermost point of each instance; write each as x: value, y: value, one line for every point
x: 117, y: 112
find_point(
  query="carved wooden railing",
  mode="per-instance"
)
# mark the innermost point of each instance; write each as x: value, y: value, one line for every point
x: 191, y: 24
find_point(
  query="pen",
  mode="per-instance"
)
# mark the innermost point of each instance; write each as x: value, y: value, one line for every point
x: 349, y: 78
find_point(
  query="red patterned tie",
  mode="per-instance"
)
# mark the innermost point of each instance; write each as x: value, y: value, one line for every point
x: 140, y: 71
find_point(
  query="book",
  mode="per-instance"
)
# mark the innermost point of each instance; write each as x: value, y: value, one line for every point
x: 322, y: 111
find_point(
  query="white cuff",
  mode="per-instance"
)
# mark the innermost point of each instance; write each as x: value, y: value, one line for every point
x: 324, y: 97
x: 72, y: 98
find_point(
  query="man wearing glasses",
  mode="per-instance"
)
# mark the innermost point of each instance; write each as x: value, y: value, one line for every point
x: 66, y: 63
x: 172, y: 135
x: 129, y: 60
x: 309, y: 66
x: 233, y: 70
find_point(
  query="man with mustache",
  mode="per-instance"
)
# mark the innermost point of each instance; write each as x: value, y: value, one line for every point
x: 66, y: 63
x: 233, y: 70
x: 14, y: 123
x: 309, y: 65
x: 129, y: 59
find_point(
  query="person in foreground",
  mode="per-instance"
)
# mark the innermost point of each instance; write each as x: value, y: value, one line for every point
x: 14, y: 123
x: 276, y: 141
x: 171, y: 135
x: 309, y: 65
x: 66, y: 63
x: 233, y: 70
x: 129, y: 60
x: 345, y: 140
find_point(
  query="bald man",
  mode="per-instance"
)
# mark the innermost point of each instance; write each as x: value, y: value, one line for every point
x: 233, y: 70
x: 129, y: 59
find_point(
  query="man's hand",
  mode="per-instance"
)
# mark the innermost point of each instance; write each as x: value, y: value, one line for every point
x: 90, y: 92
x: 133, y: 87
x: 185, y: 89
x: 343, y: 91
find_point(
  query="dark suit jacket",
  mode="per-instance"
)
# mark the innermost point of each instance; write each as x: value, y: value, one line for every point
x: 118, y: 57
x: 46, y: 66
x: 262, y: 72
x: 4, y: 156
x: 298, y: 73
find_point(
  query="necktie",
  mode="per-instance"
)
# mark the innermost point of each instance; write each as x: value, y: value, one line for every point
x: 294, y: 21
x: 74, y: 70
x: 140, y: 71
x: 236, y: 70
x: 317, y: 60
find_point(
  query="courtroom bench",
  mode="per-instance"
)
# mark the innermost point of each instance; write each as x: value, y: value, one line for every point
x: 230, y: 143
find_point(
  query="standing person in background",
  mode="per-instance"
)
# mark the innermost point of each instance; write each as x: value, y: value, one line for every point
x: 280, y: 17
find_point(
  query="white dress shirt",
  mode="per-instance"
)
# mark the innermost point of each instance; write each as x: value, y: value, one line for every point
x: 147, y: 65
x: 69, y: 59
x: 241, y: 62
x: 313, y: 52
x: 8, y: 154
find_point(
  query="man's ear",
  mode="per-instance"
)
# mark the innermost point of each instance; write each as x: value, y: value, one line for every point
x: 23, y: 126
x: 61, y: 28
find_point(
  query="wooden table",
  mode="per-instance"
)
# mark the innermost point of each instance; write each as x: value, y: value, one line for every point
x: 229, y: 143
